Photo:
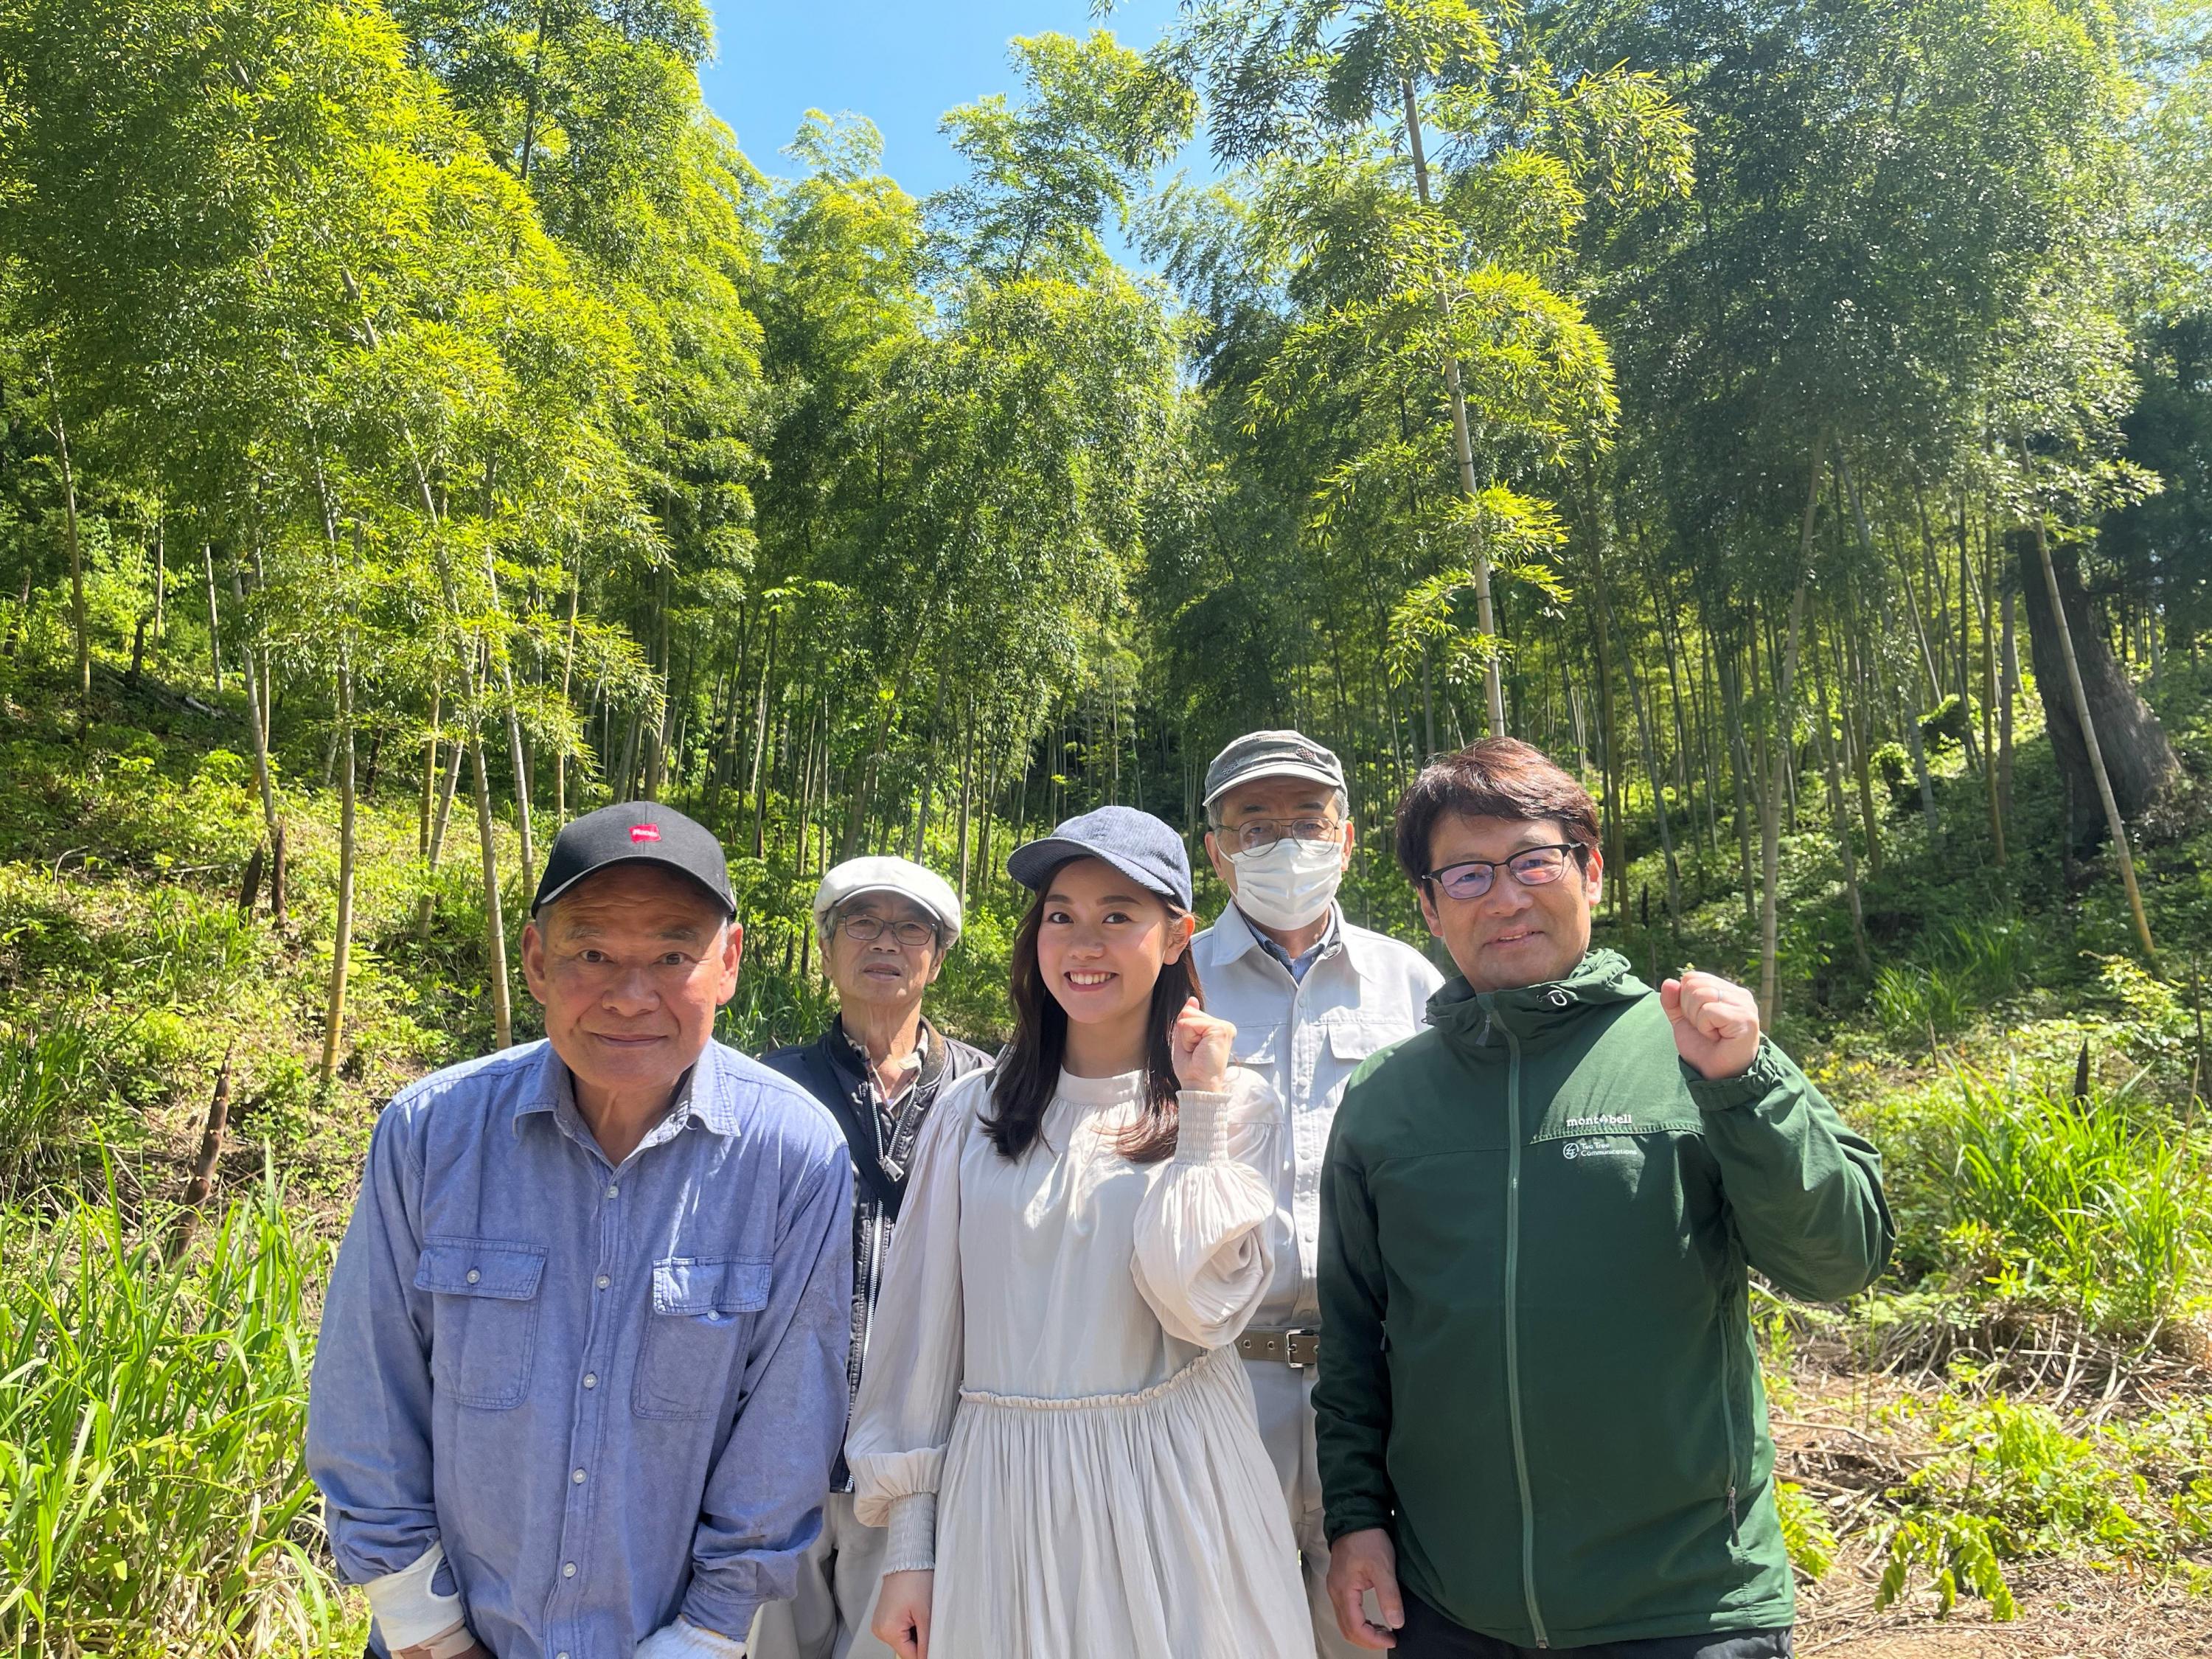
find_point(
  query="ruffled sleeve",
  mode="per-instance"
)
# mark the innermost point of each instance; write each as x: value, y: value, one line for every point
x: 910, y: 1382
x: 1204, y: 1255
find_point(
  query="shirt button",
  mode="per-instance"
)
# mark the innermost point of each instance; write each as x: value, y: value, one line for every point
x: 614, y: 1189
x: 474, y: 1275
x: 590, y: 1379
x: 604, y: 1281
x: 563, y: 1654
x: 577, y: 1476
x: 567, y: 1568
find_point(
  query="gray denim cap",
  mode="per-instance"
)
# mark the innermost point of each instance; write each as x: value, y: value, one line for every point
x: 1136, y: 843
x: 1271, y: 755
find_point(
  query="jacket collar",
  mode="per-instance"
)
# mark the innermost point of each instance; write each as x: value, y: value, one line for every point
x: 1533, y: 1013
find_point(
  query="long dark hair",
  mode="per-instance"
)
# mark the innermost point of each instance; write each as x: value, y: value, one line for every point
x: 1029, y: 1071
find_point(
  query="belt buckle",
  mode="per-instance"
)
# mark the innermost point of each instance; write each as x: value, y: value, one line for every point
x: 1301, y: 1349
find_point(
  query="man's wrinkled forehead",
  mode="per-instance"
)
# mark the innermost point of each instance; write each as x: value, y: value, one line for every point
x: 889, y: 907
x: 1266, y: 796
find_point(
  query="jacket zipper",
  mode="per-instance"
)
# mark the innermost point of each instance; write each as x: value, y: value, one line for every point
x: 1727, y: 1419
x: 1513, y: 1332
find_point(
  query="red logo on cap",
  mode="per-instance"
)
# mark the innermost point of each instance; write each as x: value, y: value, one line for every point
x: 645, y: 832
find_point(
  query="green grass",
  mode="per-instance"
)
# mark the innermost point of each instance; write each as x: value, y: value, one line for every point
x: 2088, y: 1203
x: 1962, y: 970
x: 153, y: 1495
x: 46, y: 1076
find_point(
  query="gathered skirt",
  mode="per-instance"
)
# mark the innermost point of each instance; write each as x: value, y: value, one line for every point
x: 1116, y: 1527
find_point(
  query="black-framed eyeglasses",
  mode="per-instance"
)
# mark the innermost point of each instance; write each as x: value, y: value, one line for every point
x: 867, y: 930
x: 1258, y: 834
x: 1532, y: 866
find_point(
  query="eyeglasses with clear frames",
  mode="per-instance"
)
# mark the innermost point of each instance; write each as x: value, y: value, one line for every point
x: 867, y: 930
x: 1258, y: 834
x: 1532, y: 866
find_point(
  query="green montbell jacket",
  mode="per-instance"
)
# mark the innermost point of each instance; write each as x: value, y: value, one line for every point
x: 1537, y: 1368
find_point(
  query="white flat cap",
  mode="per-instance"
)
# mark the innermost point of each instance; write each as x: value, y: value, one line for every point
x: 904, y: 877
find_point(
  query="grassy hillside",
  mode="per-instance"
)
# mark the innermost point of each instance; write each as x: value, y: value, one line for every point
x: 2016, y: 1424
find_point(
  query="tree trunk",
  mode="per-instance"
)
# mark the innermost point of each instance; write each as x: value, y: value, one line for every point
x: 1463, y: 442
x: 1839, y: 815
x: 76, y: 558
x: 502, y: 1013
x: 1769, y: 824
x: 1739, y: 774
x: 2009, y: 692
x: 1989, y: 693
x: 2085, y: 717
x: 215, y: 620
x: 967, y: 778
x: 1853, y: 690
x: 568, y: 663
x: 430, y: 775
x: 2106, y: 737
x: 1615, y: 830
x: 341, y: 930
x: 272, y: 822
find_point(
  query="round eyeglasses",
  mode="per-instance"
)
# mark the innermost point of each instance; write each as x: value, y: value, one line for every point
x: 867, y: 930
x: 1258, y: 834
x: 1532, y: 866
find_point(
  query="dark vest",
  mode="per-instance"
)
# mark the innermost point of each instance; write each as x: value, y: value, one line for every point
x: 829, y: 1068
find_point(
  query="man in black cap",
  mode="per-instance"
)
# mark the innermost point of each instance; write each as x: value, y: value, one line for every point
x: 582, y: 1375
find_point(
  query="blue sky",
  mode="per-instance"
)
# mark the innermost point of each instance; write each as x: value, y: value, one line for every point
x: 901, y: 65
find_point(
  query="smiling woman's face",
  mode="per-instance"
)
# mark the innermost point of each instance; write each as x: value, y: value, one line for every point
x: 1102, y: 941
x: 1512, y: 935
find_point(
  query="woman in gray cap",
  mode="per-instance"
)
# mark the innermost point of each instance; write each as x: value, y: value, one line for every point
x: 1052, y: 1424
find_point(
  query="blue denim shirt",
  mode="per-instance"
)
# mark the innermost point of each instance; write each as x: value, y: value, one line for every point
x: 613, y: 1393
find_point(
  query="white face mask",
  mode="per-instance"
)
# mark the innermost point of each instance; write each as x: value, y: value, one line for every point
x: 1289, y: 884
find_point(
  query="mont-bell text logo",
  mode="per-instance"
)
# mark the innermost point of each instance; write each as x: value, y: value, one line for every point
x: 645, y: 832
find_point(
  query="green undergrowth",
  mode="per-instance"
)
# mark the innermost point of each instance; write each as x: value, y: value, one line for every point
x: 2004, y: 1480
x: 153, y: 1499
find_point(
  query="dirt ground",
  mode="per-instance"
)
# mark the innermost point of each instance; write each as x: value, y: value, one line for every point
x: 1831, y: 1439
x: 2066, y: 1612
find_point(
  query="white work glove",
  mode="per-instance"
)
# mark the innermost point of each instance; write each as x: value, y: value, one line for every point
x: 685, y: 1640
x: 415, y: 1621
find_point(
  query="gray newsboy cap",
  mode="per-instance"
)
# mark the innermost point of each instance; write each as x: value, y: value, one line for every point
x: 1271, y: 755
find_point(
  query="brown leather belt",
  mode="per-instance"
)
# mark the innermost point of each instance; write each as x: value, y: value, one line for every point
x: 1297, y: 1348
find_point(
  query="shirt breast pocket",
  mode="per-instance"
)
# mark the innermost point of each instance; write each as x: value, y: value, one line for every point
x: 1352, y: 1041
x: 1255, y: 1048
x: 486, y: 1330
x: 699, y: 1325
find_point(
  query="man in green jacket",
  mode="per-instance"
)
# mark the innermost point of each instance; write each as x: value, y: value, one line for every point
x: 1540, y: 1417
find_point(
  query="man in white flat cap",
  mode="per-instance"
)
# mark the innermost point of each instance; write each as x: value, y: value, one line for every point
x: 885, y: 925
x: 1311, y: 996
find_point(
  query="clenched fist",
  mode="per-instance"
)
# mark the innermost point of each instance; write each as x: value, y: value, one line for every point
x: 1200, y: 1045
x: 1716, y: 1023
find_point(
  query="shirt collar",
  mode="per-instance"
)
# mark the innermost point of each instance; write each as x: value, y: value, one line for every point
x: 702, y: 1094
x: 1238, y: 936
x: 917, y: 1065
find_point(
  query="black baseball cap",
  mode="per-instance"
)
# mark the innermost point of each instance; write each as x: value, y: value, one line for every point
x: 1136, y: 843
x: 635, y: 832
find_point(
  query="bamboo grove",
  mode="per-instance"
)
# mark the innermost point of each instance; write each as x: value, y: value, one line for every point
x: 1758, y: 404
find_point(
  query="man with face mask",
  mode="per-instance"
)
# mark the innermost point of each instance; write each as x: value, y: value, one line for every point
x: 1311, y: 996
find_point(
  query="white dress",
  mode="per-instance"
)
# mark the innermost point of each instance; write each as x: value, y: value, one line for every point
x: 1050, y: 1415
